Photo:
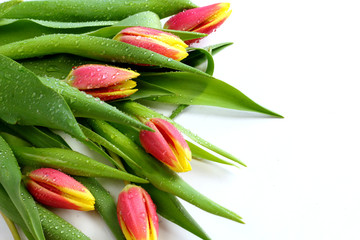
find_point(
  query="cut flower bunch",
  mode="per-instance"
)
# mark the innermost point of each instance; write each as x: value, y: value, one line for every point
x: 90, y: 70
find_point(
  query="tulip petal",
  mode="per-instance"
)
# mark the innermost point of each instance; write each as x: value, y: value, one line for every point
x: 162, y: 36
x: 155, y: 144
x: 121, y: 90
x: 215, y: 20
x: 137, y: 214
x: 50, y: 196
x: 92, y: 76
x: 177, y: 142
x: 157, y: 41
x: 190, y: 19
x: 203, y: 19
x: 153, y: 218
x: 55, y: 188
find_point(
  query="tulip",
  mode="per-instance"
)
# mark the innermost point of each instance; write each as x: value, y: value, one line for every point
x: 166, y: 144
x: 164, y: 43
x: 137, y: 214
x: 203, y: 19
x: 104, y: 82
x: 56, y: 189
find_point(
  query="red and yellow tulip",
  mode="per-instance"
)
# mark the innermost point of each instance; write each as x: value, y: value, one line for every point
x: 104, y: 82
x: 202, y: 19
x: 166, y: 144
x: 137, y: 214
x: 57, y: 189
x: 164, y: 43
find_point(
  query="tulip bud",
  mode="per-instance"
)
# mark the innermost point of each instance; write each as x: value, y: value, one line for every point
x: 104, y: 82
x: 56, y: 189
x: 157, y: 41
x: 203, y: 19
x: 137, y: 214
x: 166, y: 144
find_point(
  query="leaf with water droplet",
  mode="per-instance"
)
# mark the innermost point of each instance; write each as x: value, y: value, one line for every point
x: 10, y: 179
x: 57, y: 228
x: 85, y: 105
x: 91, y: 10
x: 70, y: 162
x: 91, y: 47
x: 7, y: 6
x: 36, y: 105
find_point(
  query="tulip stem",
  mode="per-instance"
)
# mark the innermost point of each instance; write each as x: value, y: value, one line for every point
x: 178, y: 110
x: 11, y: 227
x: 118, y: 160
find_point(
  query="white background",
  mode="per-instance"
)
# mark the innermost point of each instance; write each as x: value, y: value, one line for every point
x: 300, y: 59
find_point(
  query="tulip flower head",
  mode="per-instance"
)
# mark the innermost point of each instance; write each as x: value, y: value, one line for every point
x: 137, y: 214
x: 104, y: 82
x: 203, y: 19
x: 164, y: 43
x: 166, y: 144
x: 57, y: 189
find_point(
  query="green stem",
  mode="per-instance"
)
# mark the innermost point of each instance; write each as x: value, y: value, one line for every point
x: 118, y: 160
x: 178, y: 110
x: 11, y: 227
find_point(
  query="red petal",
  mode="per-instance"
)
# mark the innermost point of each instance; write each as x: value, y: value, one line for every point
x: 50, y: 198
x: 190, y: 19
x: 54, y: 177
x: 155, y: 144
x: 92, y: 76
x: 132, y: 210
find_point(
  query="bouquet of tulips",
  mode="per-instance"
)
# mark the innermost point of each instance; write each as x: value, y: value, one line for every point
x: 88, y: 69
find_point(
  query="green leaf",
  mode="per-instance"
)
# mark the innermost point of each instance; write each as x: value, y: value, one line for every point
x: 159, y: 175
x: 69, y: 161
x: 59, y: 25
x: 147, y: 90
x: 91, y: 10
x: 25, y: 100
x: 97, y: 48
x: 36, y: 136
x: 197, y: 57
x: 193, y: 89
x: 11, y: 226
x: 201, y: 154
x: 109, y: 146
x: 208, y: 57
x: 56, y: 228
x: 96, y: 138
x: 20, y: 29
x: 144, y: 19
x: 8, y: 209
x: 111, y: 31
x: 10, y: 179
x: 169, y: 207
x: 209, y: 70
x: 55, y: 66
x: 85, y: 105
x: 104, y: 205
x: 6, y: 6
x: 179, y: 109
